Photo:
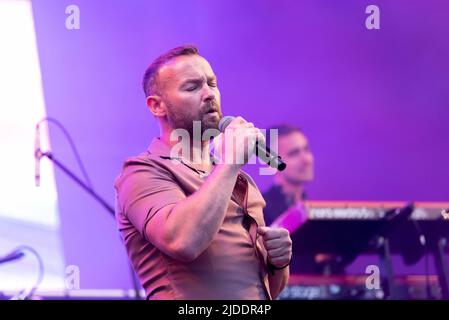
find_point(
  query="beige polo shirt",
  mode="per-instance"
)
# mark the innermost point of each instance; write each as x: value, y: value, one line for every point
x: 234, y: 264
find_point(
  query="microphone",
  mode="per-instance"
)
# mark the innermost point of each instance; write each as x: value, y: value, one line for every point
x: 262, y: 151
x: 37, y: 156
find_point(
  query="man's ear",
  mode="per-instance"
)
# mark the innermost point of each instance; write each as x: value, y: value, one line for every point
x: 156, y: 106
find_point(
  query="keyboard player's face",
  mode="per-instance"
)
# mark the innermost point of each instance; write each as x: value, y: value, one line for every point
x: 295, y: 151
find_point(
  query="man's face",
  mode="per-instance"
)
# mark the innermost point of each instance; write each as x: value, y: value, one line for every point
x: 295, y: 151
x: 189, y: 90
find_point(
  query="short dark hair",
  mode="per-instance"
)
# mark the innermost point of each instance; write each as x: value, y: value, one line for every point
x: 149, y: 82
x: 283, y: 130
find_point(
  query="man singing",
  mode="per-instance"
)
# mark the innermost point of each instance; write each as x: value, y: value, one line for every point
x: 195, y: 229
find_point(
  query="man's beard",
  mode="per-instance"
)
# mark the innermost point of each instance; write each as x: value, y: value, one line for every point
x: 297, y: 180
x: 178, y: 120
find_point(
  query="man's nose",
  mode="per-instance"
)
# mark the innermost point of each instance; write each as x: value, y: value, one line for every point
x: 306, y: 160
x: 208, y: 93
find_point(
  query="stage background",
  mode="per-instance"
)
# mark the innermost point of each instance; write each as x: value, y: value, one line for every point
x: 374, y: 103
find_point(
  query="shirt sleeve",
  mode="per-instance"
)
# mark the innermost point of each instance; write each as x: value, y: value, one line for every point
x: 143, y: 190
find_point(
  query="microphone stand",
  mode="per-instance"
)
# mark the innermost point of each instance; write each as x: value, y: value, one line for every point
x: 441, y: 266
x: 97, y: 197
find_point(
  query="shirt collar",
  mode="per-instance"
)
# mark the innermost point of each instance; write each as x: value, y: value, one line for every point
x: 158, y: 148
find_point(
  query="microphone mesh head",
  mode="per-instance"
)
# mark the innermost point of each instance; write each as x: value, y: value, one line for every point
x: 224, y: 122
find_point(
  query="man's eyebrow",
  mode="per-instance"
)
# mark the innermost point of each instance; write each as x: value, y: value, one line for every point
x: 294, y: 150
x: 298, y: 149
x: 197, y: 80
x: 192, y: 80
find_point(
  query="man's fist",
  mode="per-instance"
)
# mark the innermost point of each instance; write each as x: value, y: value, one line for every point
x: 278, y: 244
x: 237, y: 144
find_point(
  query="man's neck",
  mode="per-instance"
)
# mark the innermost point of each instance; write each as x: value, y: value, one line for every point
x: 293, y: 191
x: 197, y: 153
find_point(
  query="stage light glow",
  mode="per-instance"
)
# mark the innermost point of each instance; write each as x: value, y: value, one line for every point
x: 28, y: 214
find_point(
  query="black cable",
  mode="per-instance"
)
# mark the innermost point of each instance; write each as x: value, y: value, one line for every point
x: 72, y: 144
x: 23, y: 294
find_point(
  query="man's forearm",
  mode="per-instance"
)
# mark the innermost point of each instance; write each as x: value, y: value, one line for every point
x: 198, y: 218
x: 278, y: 281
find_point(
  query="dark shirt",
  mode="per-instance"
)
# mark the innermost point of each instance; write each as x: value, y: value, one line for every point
x: 277, y: 203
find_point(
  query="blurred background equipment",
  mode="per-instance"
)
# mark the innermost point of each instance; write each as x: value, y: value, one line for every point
x: 347, y: 230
